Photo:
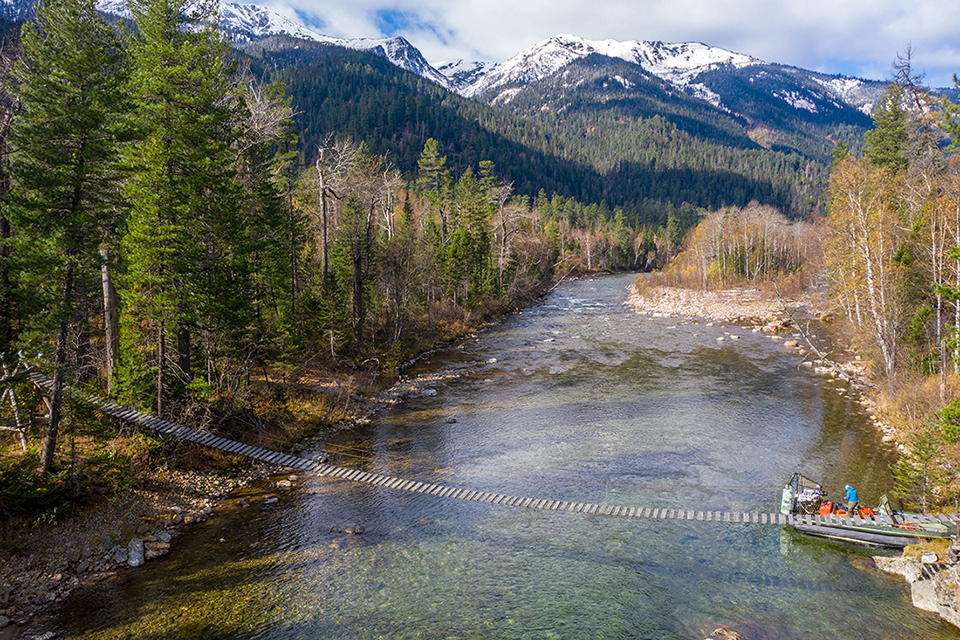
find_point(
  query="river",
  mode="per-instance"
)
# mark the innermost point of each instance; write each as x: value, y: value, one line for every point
x: 575, y: 399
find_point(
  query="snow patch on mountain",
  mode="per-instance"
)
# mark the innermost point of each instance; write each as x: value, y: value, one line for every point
x: 797, y: 101
x: 840, y: 86
x: 701, y: 91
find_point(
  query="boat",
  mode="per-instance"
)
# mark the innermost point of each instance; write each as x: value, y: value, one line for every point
x: 808, y: 509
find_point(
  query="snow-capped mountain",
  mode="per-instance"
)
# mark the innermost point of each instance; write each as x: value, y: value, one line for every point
x: 460, y: 73
x: 675, y: 63
x: 692, y: 67
x: 712, y: 74
x: 245, y: 22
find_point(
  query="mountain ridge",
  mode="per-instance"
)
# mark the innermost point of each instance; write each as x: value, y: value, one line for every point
x: 681, y: 64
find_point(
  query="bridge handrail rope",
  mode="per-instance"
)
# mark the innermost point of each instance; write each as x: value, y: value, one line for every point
x: 444, y: 491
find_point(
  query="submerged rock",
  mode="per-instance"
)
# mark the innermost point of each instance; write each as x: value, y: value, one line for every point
x: 348, y: 528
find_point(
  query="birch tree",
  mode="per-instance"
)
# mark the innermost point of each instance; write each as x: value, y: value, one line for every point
x: 862, y: 221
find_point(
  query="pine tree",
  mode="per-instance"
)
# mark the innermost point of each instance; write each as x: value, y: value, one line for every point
x: 887, y: 141
x: 434, y: 182
x: 66, y: 165
x: 184, y: 243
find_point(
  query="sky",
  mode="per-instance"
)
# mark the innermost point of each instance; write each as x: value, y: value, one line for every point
x: 861, y: 38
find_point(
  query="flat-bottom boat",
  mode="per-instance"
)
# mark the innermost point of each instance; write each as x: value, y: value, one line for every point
x: 805, y: 502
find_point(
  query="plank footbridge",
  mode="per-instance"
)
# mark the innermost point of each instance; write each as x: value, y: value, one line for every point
x: 445, y: 491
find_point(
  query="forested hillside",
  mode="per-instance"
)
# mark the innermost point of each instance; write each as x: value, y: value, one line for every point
x: 646, y: 149
x: 662, y: 146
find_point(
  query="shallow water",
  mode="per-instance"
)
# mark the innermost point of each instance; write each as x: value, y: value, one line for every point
x: 577, y: 399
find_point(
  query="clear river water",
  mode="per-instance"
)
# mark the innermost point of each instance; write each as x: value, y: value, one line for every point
x: 576, y: 399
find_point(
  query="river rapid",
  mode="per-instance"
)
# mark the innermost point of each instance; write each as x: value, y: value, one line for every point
x: 576, y: 399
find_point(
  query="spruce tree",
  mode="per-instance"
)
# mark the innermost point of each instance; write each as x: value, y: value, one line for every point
x: 66, y: 168
x: 886, y: 143
x: 185, y: 266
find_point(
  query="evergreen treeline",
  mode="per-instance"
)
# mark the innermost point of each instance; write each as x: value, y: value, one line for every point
x: 163, y: 244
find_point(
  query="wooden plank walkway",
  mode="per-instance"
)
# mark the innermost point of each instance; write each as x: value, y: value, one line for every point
x: 443, y: 491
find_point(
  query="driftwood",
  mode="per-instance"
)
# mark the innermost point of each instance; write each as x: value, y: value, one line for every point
x: 10, y: 395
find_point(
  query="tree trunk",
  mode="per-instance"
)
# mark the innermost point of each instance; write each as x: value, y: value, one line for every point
x: 183, y: 352
x: 56, y: 393
x: 161, y: 366
x: 110, y: 319
x: 325, y: 258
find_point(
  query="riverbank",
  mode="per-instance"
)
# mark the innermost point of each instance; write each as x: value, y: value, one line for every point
x: 42, y: 564
x: 732, y: 305
x: 787, y: 321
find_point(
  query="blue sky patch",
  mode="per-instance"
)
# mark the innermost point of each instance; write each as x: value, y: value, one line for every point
x: 393, y: 21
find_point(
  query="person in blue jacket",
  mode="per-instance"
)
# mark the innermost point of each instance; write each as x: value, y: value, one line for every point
x: 851, y: 498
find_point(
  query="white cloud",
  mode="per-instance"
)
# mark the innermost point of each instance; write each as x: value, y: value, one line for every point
x: 860, y: 37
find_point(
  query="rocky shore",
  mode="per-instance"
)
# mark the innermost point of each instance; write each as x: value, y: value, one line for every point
x: 44, y: 564
x: 41, y: 566
x: 754, y: 310
x: 934, y: 581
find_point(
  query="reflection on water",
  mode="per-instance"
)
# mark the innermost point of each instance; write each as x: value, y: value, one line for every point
x: 577, y: 399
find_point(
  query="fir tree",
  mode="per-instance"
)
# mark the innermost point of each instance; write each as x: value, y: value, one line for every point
x: 887, y: 141
x: 71, y: 89
x: 184, y: 241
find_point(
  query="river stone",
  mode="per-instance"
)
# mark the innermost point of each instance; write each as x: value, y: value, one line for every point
x: 929, y: 558
x: 924, y: 596
x: 153, y: 554
x: 105, y: 545
x: 429, y: 393
x: 120, y: 554
x: 348, y: 528
x: 135, y: 553
x: 4, y: 621
x: 164, y: 536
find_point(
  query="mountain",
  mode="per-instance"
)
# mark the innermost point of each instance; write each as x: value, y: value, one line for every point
x: 779, y: 107
x: 246, y: 22
x: 675, y: 63
x: 693, y: 67
x: 656, y: 129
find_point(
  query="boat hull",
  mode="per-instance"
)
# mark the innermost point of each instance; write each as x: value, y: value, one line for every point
x: 877, y: 538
